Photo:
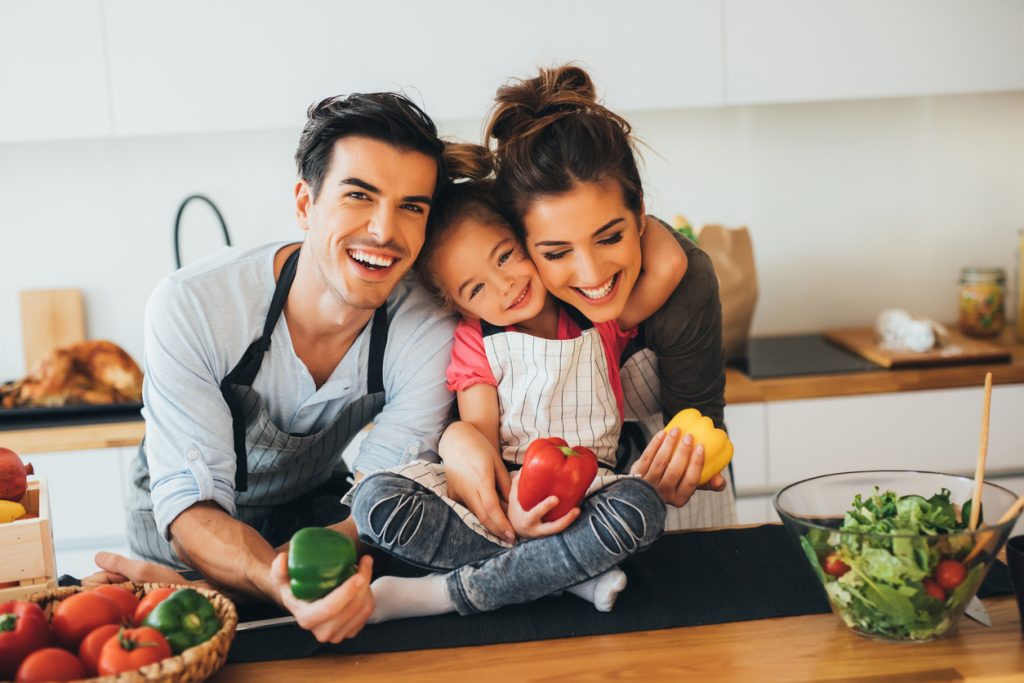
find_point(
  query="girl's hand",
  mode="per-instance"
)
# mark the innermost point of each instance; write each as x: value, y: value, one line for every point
x: 530, y: 523
x: 471, y: 481
x: 673, y: 466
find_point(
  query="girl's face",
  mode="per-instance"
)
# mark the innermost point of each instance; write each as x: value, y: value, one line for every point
x: 487, y: 274
x: 586, y: 246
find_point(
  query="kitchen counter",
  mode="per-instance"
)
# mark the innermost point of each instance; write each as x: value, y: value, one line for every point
x: 739, y: 389
x: 815, y: 647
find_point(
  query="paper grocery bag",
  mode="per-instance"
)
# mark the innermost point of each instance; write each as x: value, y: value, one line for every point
x: 732, y: 254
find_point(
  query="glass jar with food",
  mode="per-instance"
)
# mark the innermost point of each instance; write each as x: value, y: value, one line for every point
x: 982, y: 294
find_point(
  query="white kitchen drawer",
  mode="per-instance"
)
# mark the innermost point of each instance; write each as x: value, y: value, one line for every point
x: 930, y: 430
x: 755, y: 510
x: 746, y: 423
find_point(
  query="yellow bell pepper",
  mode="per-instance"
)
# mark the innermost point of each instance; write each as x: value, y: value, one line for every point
x: 10, y: 511
x: 717, y: 446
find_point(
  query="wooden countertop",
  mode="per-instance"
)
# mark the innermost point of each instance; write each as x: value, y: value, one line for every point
x: 815, y: 647
x: 739, y: 388
x: 742, y: 389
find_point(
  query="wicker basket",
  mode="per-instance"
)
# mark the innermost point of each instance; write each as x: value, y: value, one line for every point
x: 194, y: 664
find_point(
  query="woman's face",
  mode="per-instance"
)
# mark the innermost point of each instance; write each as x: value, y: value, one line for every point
x: 585, y: 244
x: 487, y: 274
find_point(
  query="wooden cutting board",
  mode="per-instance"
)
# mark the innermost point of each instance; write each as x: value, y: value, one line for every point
x: 50, y: 319
x: 960, y: 349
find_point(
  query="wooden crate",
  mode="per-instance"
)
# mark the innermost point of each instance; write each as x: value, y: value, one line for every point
x: 27, y: 547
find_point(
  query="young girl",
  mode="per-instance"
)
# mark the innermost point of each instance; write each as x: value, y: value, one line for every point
x: 524, y: 366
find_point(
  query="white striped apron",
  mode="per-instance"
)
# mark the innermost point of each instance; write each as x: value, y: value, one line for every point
x: 546, y: 387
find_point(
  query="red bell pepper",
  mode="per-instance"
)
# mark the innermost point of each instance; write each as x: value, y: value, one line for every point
x: 551, y: 468
x: 23, y: 630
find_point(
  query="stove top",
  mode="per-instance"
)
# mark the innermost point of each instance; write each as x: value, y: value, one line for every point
x: 802, y: 354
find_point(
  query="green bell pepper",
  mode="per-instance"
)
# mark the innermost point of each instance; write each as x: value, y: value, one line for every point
x: 319, y: 560
x: 186, y: 619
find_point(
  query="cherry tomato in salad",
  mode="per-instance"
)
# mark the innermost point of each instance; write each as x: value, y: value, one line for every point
x: 89, y: 650
x: 950, y: 574
x: 834, y: 566
x: 50, y: 664
x: 149, y: 601
x: 933, y: 589
x: 125, y: 599
x: 76, y: 616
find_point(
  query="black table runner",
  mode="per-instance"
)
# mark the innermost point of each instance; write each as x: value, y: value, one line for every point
x: 685, y: 579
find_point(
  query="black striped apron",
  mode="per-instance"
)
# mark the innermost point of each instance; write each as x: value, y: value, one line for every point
x: 283, y: 481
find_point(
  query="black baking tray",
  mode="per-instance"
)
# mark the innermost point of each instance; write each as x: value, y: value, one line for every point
x: 63, y: 416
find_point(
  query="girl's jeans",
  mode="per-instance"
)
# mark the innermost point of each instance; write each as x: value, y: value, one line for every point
x: 414, y: 524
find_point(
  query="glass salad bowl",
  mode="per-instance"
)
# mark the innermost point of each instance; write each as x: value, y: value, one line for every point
x: 890, y: 547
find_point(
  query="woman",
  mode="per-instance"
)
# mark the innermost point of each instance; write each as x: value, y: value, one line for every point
x: 567, y: 178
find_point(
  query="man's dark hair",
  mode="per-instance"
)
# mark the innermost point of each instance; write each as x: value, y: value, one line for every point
x: 389, y: 117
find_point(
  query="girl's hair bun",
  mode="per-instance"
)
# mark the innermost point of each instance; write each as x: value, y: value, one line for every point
x: 466, y: 161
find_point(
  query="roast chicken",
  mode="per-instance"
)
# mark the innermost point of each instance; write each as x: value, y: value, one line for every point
x: 87, y: 373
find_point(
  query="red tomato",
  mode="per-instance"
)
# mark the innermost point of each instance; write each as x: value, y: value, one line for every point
x: 23, y: 629
x: 132, y: 649
x: 934, y: 589
x: 89, y: 650
x: 834, y: 566
x: 950, y: 574
x: 77, y: 616
x: 125, y: 599
x: 149, y: 601
x: 50, y: 664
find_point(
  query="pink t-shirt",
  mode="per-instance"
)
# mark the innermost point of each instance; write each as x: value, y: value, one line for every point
x: 469, y: 364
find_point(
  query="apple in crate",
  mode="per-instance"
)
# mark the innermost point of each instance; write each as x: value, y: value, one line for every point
x: 12, y: 476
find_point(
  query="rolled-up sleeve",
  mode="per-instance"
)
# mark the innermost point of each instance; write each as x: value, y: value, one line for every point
x: 189, y: 442
x: 418, y: 401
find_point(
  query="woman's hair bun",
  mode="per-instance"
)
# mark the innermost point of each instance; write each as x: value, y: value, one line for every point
x: 526, y: 106
x: 467, y: 161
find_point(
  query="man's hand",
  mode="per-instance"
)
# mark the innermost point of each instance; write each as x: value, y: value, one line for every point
x: 116, y: 568
x: 340, y: 614
x: 673, y: 466
x: 471, y: 481
x: 530, y: 523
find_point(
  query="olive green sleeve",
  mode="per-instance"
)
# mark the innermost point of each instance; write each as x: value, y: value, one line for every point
x: 686, y: 336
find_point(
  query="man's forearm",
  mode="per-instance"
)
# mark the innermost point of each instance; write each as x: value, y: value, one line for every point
x: 227, y: 552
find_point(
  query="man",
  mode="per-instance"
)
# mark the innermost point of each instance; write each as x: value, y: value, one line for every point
x: 261, y: 364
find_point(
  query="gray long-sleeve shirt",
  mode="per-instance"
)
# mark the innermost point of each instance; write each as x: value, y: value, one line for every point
x: 199, y: 322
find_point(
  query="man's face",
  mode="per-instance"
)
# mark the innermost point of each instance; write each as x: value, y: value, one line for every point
x: 369, y: 221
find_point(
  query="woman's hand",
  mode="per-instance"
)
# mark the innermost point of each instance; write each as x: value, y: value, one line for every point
x: 471, y: 481
x: 530, y: 523
x: 673, y: 466
x: 340, y: 614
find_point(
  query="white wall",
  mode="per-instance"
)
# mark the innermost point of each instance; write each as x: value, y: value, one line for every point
x: 854, y: 205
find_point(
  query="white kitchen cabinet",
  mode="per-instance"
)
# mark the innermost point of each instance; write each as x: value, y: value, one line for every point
x: 52, y: 74
x: 747, y: 431
x: 86, y: 497
x: 930, y: 430
x: 198, y: 66
x: 804, y: 50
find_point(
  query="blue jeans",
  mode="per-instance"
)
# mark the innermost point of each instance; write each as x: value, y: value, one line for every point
x: 412, y: 523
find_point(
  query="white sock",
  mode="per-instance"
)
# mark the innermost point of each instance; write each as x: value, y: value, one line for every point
x: 398, y: 598
x: 601, y: 590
